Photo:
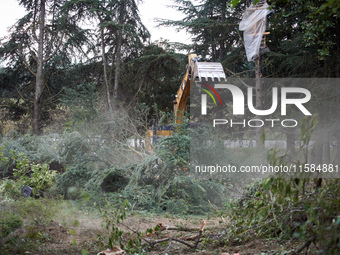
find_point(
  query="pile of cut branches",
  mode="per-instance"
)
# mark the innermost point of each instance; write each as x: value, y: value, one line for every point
x: 288, y: 210
x: 133, y: 240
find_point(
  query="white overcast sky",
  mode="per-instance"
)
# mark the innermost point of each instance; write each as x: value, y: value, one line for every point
x: 10, y: 12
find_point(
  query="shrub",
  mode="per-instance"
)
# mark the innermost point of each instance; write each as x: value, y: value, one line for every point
x: 37, y: 176
x: 9, y: 222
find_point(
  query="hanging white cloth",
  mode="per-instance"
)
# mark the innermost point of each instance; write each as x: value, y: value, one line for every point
x: 253, y: 24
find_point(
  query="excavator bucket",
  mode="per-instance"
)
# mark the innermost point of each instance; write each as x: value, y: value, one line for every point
x: 206, y: 70
x: 196, y: 73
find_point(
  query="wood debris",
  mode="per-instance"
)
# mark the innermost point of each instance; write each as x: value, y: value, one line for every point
x: 183, y: 240
x: 115, y: 251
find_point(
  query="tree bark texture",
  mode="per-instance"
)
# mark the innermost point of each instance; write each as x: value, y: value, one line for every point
x: 258, y: 104
x: 105, y: 70
x: 39, y: 76
x: 118, y: 51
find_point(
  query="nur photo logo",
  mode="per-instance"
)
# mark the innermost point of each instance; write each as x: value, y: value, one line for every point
x: 279, y: 101
x: 239, y: 99
x: 204, y: 97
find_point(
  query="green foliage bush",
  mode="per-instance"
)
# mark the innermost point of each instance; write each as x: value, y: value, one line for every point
x: 73, y: 181
x: 37, y: 176
x: 9, y: 222
x: 98, y: 162
x: 286, y: 209
x: 289, y: 208
x: 39, y: 149
x: 162, y: 182
x: 81, y: 101
x: 21, y: 222
x: 114, y: 218
x: 177, y: 206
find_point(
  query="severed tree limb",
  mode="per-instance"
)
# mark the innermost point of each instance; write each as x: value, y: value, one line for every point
x: 179, y: 240
x: 172, y: 239
x: 200, y: 233
x: 166, y: 227
x: 136, y: 232
x: 193, y: 246
x: 189, y: 238
x: 305, y: 245
x: 167, y: 248
x: 152, y: 243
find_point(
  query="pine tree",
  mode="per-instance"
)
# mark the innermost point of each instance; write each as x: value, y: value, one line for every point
x: 212, y: 24
x: 120, y: 33
x: 42, y: 39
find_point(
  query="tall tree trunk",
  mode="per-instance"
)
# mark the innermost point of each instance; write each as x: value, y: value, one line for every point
x: 105, y: 69
x: 119, y: 49
x: 338, y: 150
x: 222, y: 40
x: 258, y: 92
x: 213, y: 47
x: 117, y: 69
x: 39, y: 76
x: 337, y: 74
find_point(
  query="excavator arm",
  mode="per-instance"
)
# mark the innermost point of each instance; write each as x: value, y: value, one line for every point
x: 183, y: 92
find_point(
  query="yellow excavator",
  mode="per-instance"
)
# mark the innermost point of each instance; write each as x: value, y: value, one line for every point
x: 195, y: 72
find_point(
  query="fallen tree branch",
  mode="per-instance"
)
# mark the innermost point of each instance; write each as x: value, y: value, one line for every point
x: 305, y: 245
x: 172, y: 239
x: 189, y: 238
x: 166, y: 227
x: 200, y: 233
x: 135, y: 232
x: 184, y: 240
x: 115, y: 251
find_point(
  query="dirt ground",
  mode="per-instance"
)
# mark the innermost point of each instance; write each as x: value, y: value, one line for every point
x: 84, y: 236
x: 66, y: 237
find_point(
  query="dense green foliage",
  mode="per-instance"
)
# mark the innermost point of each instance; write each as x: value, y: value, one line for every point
x: 288, y: 209
x: 303, y: 36
x: 96, y: 167
x: 299, y: 209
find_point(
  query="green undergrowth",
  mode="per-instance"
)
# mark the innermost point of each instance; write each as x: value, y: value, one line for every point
x: 158, y: 182
x: 87, y: 167
x: 150, y: 185
x: 29, y: 224
x: 21, y: 221
x: 288, y: 210
x: 304, y: 211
